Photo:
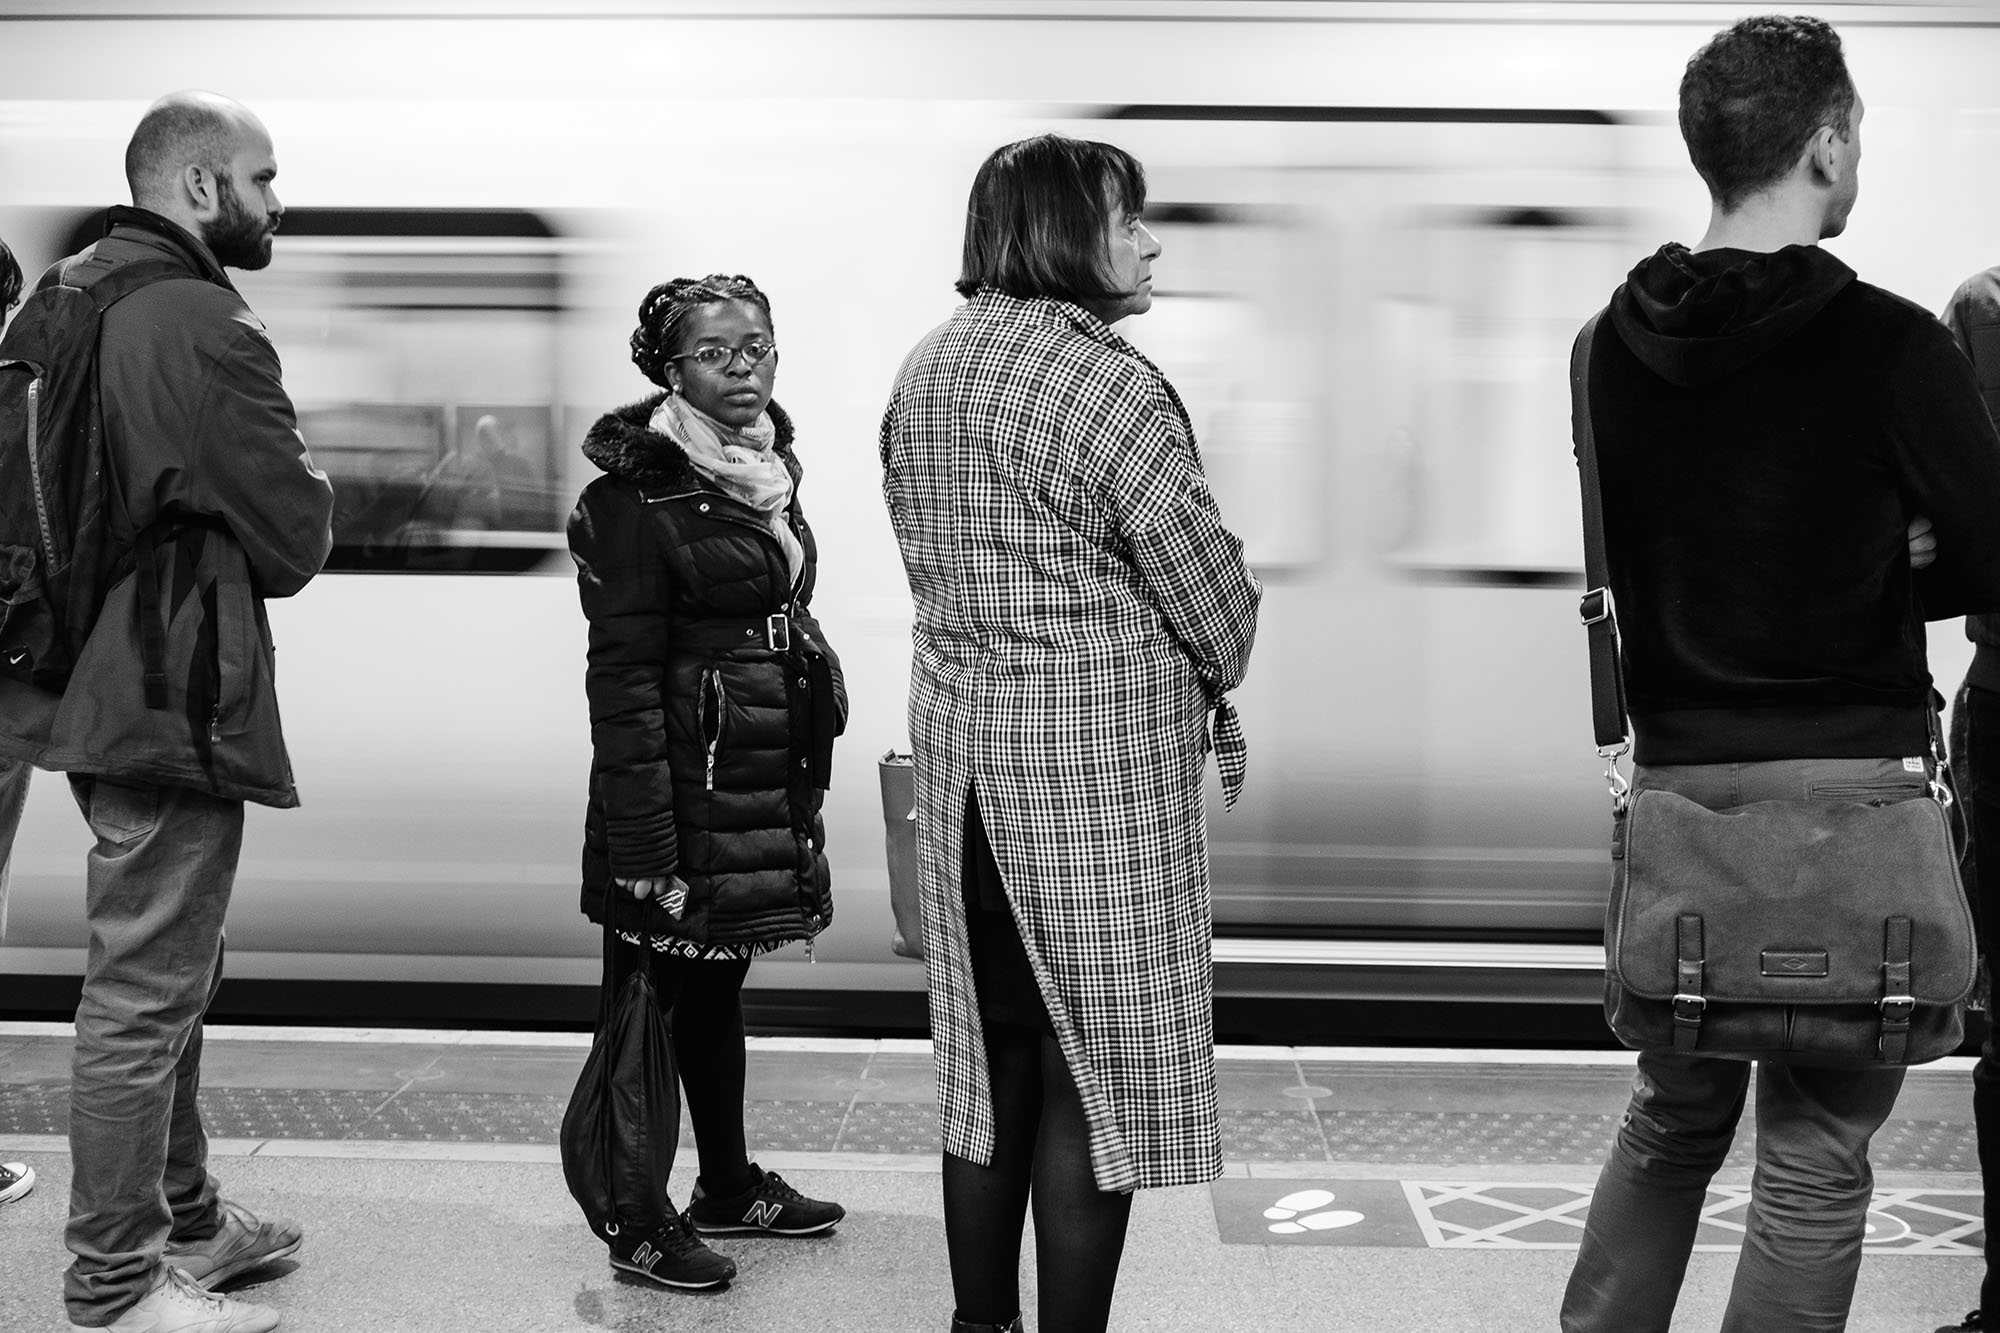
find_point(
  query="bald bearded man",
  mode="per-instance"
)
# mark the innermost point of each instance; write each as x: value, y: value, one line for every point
x: 164, y: 742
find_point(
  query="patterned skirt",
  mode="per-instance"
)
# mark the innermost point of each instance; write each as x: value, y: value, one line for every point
x: 702, y: 953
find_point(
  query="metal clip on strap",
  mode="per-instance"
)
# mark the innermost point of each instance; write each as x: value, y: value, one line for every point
x: 1621, y: 789
x: 1940, y: 775
x: 778, y: 632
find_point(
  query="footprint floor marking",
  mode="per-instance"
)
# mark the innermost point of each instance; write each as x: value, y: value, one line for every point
x: 1306, y: 1210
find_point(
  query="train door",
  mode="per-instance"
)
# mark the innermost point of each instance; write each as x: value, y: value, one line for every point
x: 1370, y: 315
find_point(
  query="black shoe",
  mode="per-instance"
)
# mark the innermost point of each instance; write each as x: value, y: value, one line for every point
x: 1972, y: 1323
x: 961, y: 1326
x: 673, y: 1256
x: 769, y: 1208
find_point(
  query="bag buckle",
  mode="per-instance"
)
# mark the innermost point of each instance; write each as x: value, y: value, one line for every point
x: 1594, y: 606
x: 1688, y: 1008
x: 1898, y: 1009
x: 778, y: 632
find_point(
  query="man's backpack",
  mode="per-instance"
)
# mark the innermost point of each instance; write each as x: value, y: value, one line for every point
x: 65, y: 533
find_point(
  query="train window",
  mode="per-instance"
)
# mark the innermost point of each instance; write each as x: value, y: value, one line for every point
x: 1224, y: 332
x: 1476, y: 475
x: 421, y: 350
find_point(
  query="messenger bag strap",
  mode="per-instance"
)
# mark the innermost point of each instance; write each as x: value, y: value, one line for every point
x: 1688, y: 1001
x: 1898, y: 1004
x: 1600, y: 619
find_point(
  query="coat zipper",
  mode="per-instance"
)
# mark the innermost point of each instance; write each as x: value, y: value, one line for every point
x: 711, y: 680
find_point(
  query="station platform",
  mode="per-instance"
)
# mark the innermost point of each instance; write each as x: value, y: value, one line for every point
x: 1366, y: 1189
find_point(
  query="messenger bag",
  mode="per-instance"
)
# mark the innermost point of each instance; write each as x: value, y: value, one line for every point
x: 1827, y: 932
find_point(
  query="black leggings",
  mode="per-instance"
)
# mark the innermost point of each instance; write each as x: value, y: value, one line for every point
x: 704, y: 1001
x: 1041, y: 1154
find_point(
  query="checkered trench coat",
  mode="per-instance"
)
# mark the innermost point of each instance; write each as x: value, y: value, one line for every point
x: 1079, y: 610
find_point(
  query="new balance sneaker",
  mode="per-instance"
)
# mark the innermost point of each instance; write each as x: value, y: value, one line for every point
x: 240, y: 1244
x: 673, y: 1256
x: 16, y: 1179
x: 182, y: 1305
x: 770, y: 1208
x: 1972, y: 1323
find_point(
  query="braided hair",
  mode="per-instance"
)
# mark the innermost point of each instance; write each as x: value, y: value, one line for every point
x: 10, y: 280
x: 666, y: 308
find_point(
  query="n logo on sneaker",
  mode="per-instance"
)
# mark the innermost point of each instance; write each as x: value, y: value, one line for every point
x: 645, y: 1257
x: 763, y: 1213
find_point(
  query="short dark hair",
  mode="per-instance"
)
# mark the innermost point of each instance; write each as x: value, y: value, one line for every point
x: 1753, y: 98
x: 1034, y: 225
x: 176, y: 131
x: 667, y: 307
x: 10, y: 279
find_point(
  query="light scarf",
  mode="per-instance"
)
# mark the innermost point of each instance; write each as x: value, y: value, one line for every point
x: 743, y: 464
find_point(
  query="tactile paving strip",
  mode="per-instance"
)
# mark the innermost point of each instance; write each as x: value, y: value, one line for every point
x: 1439, y: 1138
x: 475, y: 1117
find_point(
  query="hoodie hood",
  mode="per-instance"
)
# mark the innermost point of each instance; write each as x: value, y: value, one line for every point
x: 1692, y: 318
x: 623, y: 444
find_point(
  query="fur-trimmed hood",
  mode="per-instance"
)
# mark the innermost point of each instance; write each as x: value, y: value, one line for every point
x: 623, y: 444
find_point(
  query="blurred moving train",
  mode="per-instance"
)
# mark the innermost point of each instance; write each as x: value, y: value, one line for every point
x: 1382, y: 224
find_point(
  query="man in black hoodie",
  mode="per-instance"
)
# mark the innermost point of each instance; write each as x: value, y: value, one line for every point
x: 1771, y: 434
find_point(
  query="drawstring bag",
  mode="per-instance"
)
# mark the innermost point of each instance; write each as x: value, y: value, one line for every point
x: 623, y: 1124
x: 899, y: 821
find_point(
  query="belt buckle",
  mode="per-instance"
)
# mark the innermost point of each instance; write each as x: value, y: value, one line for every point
x: 1898, y: 1008
x: 778, y: 632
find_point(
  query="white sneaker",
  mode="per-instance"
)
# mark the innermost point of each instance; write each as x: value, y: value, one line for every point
x: 182, y: 1305
x: 16, y: 1179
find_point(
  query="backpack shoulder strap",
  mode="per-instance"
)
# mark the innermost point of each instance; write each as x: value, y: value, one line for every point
x: 1600, y: 619
x: 108, y: 282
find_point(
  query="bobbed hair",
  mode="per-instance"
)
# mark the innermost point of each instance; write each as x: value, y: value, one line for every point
x: 1035, y: 222
x: 1752, y: 99
x: 10, y: 279
x: 664, y: 312
x: 181, y: 129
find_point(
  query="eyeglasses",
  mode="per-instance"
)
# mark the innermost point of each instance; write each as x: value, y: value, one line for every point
x: 1137, y: 230
x: 721, y: 358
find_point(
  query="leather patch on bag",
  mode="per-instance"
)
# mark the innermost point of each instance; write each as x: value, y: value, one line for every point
x: 1794, y: 962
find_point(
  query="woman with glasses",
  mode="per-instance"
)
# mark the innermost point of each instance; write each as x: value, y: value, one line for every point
x: 1080, y: 611
x: 714, y: 702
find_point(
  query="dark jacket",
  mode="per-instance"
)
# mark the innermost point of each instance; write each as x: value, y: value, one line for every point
x: 1974, y: 320
x: 712, y: 737
x: 1767, y: 426
x: 207, y: 447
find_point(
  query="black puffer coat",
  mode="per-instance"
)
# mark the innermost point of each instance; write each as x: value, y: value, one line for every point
x: 713, y: 735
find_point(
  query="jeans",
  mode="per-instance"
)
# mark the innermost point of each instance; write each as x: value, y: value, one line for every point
x: 1975, y: 728
x: 157, y: 885
x: 1812, y: 1184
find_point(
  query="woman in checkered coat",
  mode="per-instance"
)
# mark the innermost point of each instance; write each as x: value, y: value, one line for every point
x: 1080, y: 611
